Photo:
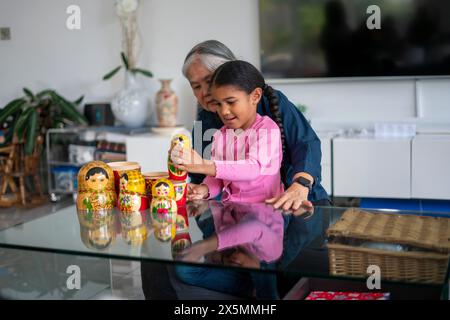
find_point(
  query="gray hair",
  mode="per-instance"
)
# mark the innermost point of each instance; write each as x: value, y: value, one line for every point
x: 211, y: 53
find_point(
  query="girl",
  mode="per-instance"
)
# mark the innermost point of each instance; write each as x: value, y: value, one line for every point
x: 247, y: 151
x: 302, y: 155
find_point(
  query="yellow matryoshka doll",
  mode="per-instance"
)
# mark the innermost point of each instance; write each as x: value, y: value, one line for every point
x: 96, y: 187
x: 97, y: 229
x: 133, y: 227
x: 183, y: 141
x: 163, y: 209
x: 132, y: 192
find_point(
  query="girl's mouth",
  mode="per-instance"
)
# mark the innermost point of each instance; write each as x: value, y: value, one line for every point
x: 229, y: 119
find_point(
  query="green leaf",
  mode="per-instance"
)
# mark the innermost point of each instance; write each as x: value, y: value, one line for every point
x: 68, y: 110
x: 79, y: 100
x: 44, y: 93
x: 142, y: 71
x: 31, y: 132
x: 29, y: 94
x: 111, y: 73
x: 22, y: 122
x: 125, y: 60
x: 11, y: 108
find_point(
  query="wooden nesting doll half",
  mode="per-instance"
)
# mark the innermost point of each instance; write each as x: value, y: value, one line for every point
x: 163, y: 207
x: 96, y: 187
x: 132, y: 192
x: 183, y: 141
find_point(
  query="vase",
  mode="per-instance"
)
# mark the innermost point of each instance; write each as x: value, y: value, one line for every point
x: 130, y: 104
x: 166, y: 105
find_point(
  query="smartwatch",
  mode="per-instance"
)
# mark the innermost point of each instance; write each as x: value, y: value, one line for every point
x: 304, y: 182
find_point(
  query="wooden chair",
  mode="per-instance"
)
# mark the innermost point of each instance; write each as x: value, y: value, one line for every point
x: 7, y: 160
x: 19, y: 166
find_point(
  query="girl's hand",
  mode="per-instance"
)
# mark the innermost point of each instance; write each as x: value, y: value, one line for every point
x: 197, y: 250
x: 197, y: 207
x: 188, y: 160
x: 197, y: 191
x: 293, y: 198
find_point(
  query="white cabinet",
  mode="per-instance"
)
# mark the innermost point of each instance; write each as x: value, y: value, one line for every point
x: 326, y: 143
x: 150, y: 150
x: 431, y: 167
x: 369, y: 167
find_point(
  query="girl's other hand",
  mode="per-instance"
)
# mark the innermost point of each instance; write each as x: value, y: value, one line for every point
x: 197, y: 191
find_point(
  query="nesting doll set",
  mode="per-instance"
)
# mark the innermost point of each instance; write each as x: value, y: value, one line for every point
x: 103, y: 186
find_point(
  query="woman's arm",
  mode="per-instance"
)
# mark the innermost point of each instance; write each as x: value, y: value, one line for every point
x: 304, y: 154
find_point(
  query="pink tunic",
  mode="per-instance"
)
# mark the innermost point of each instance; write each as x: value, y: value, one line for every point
x: 247, y: 163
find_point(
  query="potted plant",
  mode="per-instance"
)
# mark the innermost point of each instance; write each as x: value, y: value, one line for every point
x: 24, y: 123
x: 27, y: 117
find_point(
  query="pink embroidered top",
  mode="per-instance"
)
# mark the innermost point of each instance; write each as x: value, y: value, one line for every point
x: 247, y: 162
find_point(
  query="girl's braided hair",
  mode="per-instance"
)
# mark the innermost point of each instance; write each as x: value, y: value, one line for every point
x: 246, y: 77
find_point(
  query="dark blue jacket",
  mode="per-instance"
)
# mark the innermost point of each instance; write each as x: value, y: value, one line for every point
x: 303, y: 153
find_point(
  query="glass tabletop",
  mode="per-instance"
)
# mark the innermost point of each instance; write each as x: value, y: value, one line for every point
x: 246, y: 236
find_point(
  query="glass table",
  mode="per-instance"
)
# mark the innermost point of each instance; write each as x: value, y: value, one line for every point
x: 243, y: 250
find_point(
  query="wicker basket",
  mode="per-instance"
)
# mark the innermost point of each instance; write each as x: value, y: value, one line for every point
x: 425, y: 262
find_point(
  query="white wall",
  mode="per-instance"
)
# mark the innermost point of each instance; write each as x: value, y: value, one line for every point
x: 44, y: 53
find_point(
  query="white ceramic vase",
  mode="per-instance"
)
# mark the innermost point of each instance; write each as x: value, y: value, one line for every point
x: 130, y: 105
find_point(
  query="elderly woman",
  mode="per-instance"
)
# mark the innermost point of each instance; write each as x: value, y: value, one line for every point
x: 301, y: 170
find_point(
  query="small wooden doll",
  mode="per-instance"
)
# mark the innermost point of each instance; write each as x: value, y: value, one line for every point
x: 96, y: 187
x: 163, y: 209
x: 174, y: 173
x: 180, y: 242
x: 132, y: 195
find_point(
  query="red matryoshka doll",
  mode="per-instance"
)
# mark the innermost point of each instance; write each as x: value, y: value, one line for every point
x: 96, y: 187
x: 183, y: 141
x: 180, y: 242
x: 163, y: 209
x: 182, y: 222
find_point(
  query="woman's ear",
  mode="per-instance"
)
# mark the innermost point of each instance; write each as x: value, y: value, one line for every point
x: 256, y: 95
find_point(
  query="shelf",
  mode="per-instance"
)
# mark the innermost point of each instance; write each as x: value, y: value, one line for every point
x: 63, y: 163
x: 62, y: 191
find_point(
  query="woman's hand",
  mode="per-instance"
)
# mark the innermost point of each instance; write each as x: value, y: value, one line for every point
x: 293, y: 198
x: 197, y: 191
x: 190, y: 161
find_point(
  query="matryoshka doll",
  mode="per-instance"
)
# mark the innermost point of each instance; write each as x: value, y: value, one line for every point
x: 174, y: 173
x: 182, y: 222
x: 180, y: 242
x: 163, y: 209
x: 150, y: 179
x: 96, y: 187
x: 119, y: 167
x: 132, y: 195
x: 97, y: 229
x: 134, y: 228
